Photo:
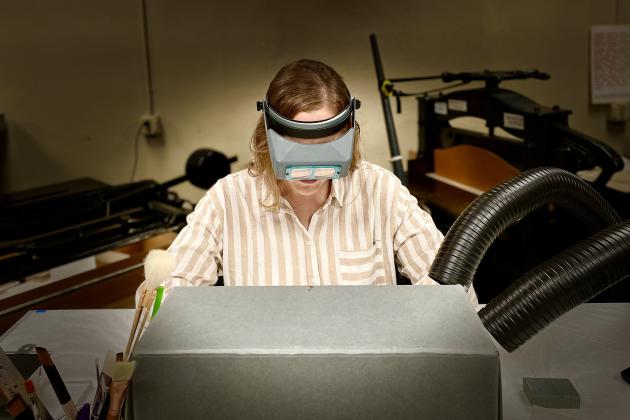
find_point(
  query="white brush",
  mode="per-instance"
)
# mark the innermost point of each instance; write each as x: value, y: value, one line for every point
x: 157, y: 266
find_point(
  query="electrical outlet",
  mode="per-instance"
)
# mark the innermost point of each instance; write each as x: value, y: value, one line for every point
x: 151, y: 125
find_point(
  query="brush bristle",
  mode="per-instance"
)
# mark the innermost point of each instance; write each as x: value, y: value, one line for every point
x: 123, y: 371
x: 157, y: 266
x: 117, y: 370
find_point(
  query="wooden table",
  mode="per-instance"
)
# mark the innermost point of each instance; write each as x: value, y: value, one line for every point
x: 107, y: 286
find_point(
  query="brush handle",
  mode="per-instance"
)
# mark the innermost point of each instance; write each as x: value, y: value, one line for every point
x: 144, y: 305
x: 145, y: 315
x: 117, y: 392
x: 132, y: 333
x: 134, y: 326
x: 57, y: 383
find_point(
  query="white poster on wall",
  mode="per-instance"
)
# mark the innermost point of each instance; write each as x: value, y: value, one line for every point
x: 610, y: 64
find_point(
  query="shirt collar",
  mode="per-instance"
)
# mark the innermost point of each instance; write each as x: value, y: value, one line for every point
x: 336, y: 191
x: 345, y: 189
x: 262, y: 191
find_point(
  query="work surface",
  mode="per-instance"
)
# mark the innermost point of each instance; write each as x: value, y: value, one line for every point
x: 589, y: 345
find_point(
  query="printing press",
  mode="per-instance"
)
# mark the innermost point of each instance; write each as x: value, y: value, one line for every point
x: 52, y: 228
x: 457, y: 161
x: 541, y: 135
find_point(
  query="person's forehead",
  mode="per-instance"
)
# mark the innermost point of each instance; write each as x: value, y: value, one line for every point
x: 321, y: 114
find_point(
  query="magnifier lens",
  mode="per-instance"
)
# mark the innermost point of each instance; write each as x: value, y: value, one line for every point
x: 300, y: 173
x: 324, y: 172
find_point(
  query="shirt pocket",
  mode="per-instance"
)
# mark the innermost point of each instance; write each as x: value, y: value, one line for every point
x: 361, y: 266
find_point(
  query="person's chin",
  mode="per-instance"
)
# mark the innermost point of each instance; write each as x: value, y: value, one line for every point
x: 308, y: 186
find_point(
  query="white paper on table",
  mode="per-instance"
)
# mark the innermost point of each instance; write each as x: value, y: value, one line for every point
x: 75, y: 339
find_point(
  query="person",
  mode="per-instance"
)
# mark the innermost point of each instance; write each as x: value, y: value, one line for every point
x: 308, y: 211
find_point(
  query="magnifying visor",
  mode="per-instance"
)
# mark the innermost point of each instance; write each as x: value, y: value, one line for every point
x: 293, y: 160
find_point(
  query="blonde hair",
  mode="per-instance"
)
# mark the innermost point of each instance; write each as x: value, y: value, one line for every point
x: 301, y: 86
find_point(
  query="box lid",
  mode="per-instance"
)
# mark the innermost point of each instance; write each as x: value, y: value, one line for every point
x: 316, y: 320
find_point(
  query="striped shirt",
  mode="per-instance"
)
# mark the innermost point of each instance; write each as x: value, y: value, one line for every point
x: 369, y: 224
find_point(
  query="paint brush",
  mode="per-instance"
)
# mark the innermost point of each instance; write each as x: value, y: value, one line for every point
x: 98, y: 395
x: 108, y: 370
x: 121, y: 376
x: 58, y: 386
x: 157, y: 266
x: 145, y: 316
x: 136, y: 319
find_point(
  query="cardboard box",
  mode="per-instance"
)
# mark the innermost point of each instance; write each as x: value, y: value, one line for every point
x: 369, y: 352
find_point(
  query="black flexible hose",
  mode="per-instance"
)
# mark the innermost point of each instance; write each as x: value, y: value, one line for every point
x: 558, y: 285
x: 490, y: 214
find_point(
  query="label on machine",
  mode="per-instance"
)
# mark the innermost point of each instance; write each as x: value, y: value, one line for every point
x: 440, y: 108
x: 515, y: 121
x: 457, y: 105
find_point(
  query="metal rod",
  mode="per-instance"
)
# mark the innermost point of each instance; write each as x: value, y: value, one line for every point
x: 147, y: 56
x: 173, y: 182
x: 414, y: 79
x: 396, y: 159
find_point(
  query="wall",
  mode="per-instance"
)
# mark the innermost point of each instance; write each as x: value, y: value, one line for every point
x: 73, y: 80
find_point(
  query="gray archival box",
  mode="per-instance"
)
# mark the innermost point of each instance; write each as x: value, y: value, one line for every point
x: 368, y: 352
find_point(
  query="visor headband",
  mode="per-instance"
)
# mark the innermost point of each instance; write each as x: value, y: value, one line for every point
x: 307, y: 130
